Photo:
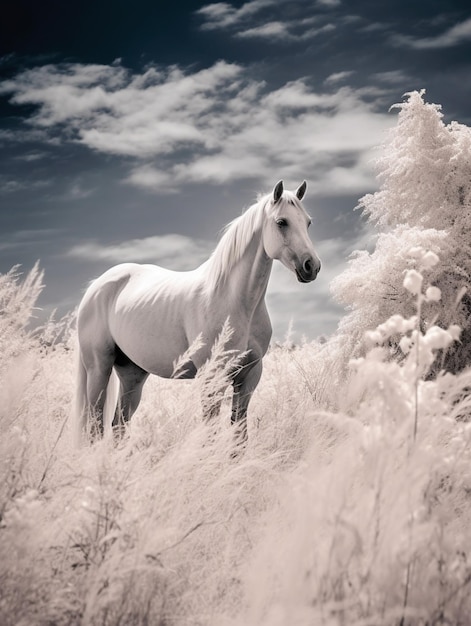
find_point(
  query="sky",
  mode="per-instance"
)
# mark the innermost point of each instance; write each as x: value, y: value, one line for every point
x: 134, y: 131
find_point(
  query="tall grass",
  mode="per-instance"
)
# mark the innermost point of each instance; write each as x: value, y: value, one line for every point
x: 335, y: 514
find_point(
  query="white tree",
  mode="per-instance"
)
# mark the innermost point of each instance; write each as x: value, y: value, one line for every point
x: 424, y: 203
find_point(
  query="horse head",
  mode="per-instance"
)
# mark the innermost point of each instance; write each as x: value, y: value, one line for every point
x: 285, y: 233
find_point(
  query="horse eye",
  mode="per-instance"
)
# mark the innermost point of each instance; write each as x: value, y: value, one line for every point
x: 309, y: 223
x: 282, y: 223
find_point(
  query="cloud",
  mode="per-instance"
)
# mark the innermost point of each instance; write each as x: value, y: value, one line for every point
x: 151, y: 178
x: 110, y: 110
x: 11, y: 185
x: 329, y: 3
x: 212, y: 125
x: 272, y: 30
x: 30, y: 157
x: 253, y: 20
x: 455, y: 35
x: 288, y: 31
x: 174, y: 251
x: 224, y: 15
x: 394, y: 77
x: 78, y: 192
x: 338, y: 77
x: 27, y: 238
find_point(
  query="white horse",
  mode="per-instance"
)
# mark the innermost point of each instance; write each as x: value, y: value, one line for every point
x: 139, y: 319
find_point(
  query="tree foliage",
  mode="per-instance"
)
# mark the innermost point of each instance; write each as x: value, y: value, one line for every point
x: 424, y: 202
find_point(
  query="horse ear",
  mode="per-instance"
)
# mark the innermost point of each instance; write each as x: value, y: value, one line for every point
x: 278, y: 191
x: 301, y: 190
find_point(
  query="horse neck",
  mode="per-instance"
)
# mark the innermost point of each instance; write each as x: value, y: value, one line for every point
x: 247, y: 283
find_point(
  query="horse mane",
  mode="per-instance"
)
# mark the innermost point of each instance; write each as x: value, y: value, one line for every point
x: 236, y: 237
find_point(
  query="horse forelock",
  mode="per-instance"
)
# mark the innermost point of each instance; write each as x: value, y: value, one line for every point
x: 236, y: 237
x: 289, y: 196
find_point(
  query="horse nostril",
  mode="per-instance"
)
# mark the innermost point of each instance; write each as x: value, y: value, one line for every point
x: 307, y: 266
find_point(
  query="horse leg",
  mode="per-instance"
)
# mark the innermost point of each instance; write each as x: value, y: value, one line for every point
x: 244, y: 385
x: 132, y: 379
x: 97, y: 380
x: 97, y: 354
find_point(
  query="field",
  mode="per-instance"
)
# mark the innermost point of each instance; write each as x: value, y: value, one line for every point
x: 351, y: 504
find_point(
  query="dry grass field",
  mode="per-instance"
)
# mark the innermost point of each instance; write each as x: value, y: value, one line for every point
x: 336, y: 513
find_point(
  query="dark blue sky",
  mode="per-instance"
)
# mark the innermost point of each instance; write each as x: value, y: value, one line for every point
x: 136, y: 130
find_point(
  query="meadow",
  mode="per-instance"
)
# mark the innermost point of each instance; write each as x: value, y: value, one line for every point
x: 350, y: 506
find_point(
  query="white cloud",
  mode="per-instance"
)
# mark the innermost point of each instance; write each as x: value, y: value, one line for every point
x: 329, y: 3
x: 270, y: 29
x: 78, y: 192
x: 291, y: 31
x: 354, y: 179
x: 212, y: 125
x: 27, y: 238
x: 149, y: 177
x: 174, y: 251
x: 394, y: 77
x: 253, y: 20
x: 11, y: 185
x: 224, y: 15
x: 453, y: 36
x: 112, y: 111
x: 338, y: 77
x: 296, y: 95
x: 29, y: 157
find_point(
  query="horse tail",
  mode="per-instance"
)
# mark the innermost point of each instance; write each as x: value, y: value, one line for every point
x: 80, y: 414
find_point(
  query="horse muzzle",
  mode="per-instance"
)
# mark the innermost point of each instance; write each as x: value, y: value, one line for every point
x: 308, y: 270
